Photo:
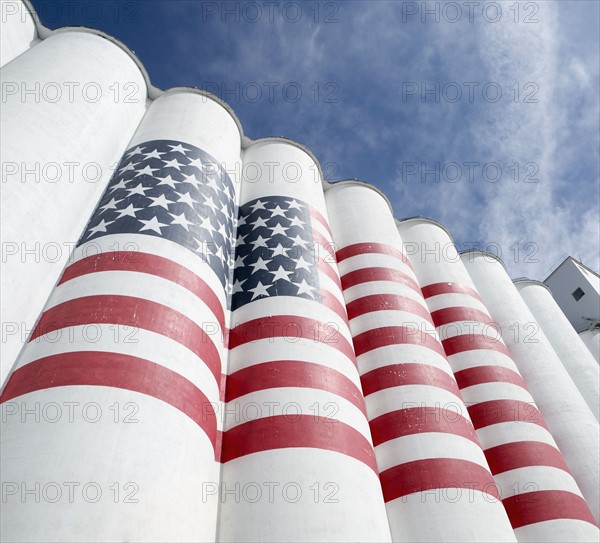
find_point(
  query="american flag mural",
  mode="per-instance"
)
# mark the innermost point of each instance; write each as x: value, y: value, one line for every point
x: 232, y: 359
x: 533, y: 480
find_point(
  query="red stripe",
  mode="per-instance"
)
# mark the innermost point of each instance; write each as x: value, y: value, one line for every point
x: 497, y: 411
x: 396, y: 375
x: 488, y: 374
x: 318, y: 216
x: 327, y: 246
x: 284, y: 431
x: 454, y: 314
x: 292, y: 373
x: 386, y: 302
x: 419, y: 420
x: 394, y: 335
x: 150, y: 264
x: 115, y: 370
x: 329, y: 271
x: 366, y: 275
x: 333, y: 303
x: 472, y: 342
x: 367, y: 248
x: 129, y: 311
x: 432, y: 473
x: 436, y: 289
x: 290, y: 326
x: 543, y: 505
x: 520, y: 454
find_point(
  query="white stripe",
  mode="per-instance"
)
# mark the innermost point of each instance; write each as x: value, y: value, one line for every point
x: 137, y: 342
x: 383, y: 287
x: 390, y: 317
x: 290, y: 306
x: 401, y: 354
x: 156, y: 246
x: 442, y: 301
x: 533, y: 479
x: 480, y: 357
x: 512, y: 432
x: 472, y: 328
x: 145, y: 287
x: 328, y: 284
x: 485, y: 392
x: 375, y: 260
x: 320, y: 227
x: 407, y: 396
x: 427, y: 445
x: 280, y: 348
x: 293, y: 402
x: 558, y: 531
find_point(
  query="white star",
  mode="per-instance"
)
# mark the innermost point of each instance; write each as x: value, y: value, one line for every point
x: 110, y: 205
x: 186, y: 199
x: 196, y: 162
x: 153, y: 154
x: 138, y: 189
x: 146, y: 171
x: 173, y: 164
x: 260, y: 222
x: 299, y: 241
x: 294, y: 205
x: 120, y: 185
x: 100, y: 227
x: 168, y: 181
x: 237, y: 286
x: 192, y: 180
x: 295, y: 221
x: 304, y: 288
x: 130, y: 166
x: 181, y: 220
x: 257, y: 205
x: 222, y: 231
x: 129, y: 211
x: 152, y: 224
x: 225, y: 209
x: 137, y: 151
x: 239, y: 261
x: 206, y: 223
x: 259, y: 242
x: 259, y: 290
x: 260, y: 264
x: 281, y: 273
x: 279, y: 250
x: 210, y: 203
x: 241, y: 221
x: 303, y: 264
x: 278, y: 229
x: 160, y: 201
x: 179, y: 149
x: 277, y: 211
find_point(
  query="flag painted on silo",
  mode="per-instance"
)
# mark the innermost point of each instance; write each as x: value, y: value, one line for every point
x: 175, y: 191
x: 277, y: 253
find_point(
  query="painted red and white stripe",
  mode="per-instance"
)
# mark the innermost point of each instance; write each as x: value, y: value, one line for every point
x: 435, y: 478
x: 541, y: 497
x: 295, y: 420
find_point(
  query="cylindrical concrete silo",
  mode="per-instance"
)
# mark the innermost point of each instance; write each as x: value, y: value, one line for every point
x: 70, y: 105
x: 565, y: 412
x: 131, y: 341
x: 435, y: 478
x: 591, y: 339
x: 565, y: 341
x: 298, y: 461
x: 541, y: 497
x: 17, y: 29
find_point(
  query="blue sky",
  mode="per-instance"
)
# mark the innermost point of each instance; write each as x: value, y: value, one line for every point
x: 485, y: 117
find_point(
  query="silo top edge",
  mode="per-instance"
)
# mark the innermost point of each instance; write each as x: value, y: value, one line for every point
x: 479, y: 252
x: 526, y: 281
x: 281, y: 139
x: 40, y: 30
x: 360, y: 183
x: 426, y: 220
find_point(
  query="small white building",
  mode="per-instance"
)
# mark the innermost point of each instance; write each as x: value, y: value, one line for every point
x: 576, y: 289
